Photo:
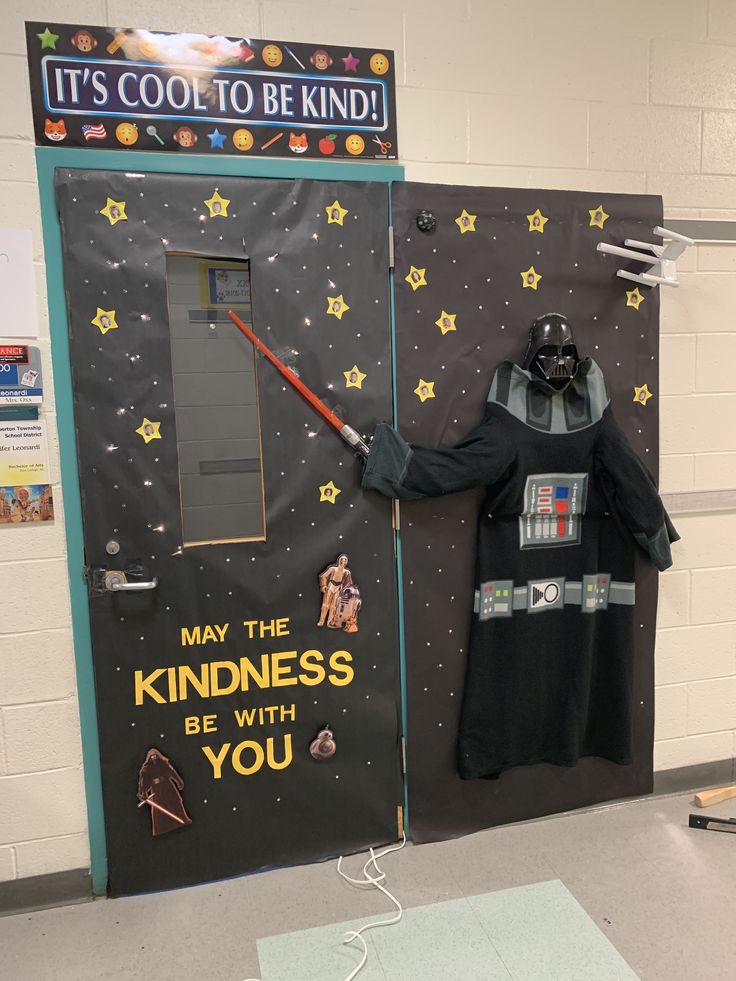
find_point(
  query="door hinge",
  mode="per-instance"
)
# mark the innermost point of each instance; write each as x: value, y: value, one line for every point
x: 390, y: 246
x: 403, y: 755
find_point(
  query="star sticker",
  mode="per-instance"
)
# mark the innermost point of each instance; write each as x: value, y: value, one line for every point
x: 48, y: 39
x: 105, y: 320
x: 530, y: 278
x: 446, y: 321
x: 537, y: 221
x: 425, y: 390
x: 351, y: 63
x: 465, y: 222
x: 415, y: 277
x: 354, y: 377
x: 335, y: 213
x: 217, y: 139
x: 328, y: 492
x: 598, y: 217
x: 149, y: 430
x: 634, y: 298
x: 114, y: 211
x: 642, y: 394
x: 337, y: 306
x: 217, y: 205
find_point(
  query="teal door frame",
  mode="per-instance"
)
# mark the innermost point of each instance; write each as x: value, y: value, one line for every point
x: 47, y: 160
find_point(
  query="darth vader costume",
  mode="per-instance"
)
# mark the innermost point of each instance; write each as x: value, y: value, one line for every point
x: 550, y: 662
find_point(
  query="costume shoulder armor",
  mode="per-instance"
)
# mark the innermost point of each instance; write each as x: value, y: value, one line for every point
x: 535, y: 403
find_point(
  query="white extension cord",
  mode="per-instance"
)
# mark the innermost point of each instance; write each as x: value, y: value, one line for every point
x: 375, y: 881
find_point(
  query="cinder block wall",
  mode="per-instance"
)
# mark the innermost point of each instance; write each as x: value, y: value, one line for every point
x: 586, y: 94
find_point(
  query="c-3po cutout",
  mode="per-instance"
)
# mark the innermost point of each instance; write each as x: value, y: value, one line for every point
x: 340, y: 597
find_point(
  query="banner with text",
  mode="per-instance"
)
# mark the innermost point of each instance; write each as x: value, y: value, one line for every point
x: 122, y: 88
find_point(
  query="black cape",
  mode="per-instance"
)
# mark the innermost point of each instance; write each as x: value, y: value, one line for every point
x: 550, y: 662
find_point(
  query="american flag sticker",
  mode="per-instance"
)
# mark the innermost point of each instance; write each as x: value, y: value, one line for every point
x: 94, y: 132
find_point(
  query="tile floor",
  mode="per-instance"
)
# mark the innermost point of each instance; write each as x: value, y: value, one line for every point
x: 618, y: 892
x: 535, y: 932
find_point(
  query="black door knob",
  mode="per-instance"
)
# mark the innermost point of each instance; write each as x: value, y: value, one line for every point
x: 426, y: 221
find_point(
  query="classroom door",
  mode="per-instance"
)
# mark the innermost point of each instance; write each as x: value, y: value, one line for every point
x: 241, y: 586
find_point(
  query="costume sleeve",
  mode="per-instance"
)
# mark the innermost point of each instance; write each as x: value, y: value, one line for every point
x: 632, y: 494
x: 397, y: 469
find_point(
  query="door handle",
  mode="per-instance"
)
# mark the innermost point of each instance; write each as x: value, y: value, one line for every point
x: 116, y: 582
x: 114, y: 585
x: 102, y: 580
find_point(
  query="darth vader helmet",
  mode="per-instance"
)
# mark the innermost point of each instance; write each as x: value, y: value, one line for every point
x: 551, y: 353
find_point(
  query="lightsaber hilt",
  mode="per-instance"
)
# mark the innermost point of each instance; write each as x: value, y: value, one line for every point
x: 355, y: 440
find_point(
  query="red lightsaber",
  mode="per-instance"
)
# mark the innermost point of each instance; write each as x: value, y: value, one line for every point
x: 148, y: 800
x: 347, y: 432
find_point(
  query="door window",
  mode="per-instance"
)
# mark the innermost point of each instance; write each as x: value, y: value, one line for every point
x: 216, y: 401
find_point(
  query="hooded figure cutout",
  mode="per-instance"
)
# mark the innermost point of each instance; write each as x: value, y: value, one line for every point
x: 549, y: 674
x: 159, y: 786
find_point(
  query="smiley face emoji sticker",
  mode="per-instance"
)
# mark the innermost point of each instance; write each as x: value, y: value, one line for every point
x: 126, y: 133
x: 242, y: 139
x: 148, y: 48
x: 272, y: 55
x: 378, y: 63
x: 354, y: 144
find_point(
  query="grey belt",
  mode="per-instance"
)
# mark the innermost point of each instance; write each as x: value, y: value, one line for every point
x: 500, y: 598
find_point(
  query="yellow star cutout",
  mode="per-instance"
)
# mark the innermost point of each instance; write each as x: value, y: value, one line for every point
x: 598, y: 217
x: 530, y: 278
x: 642, y: 394
x: 634, y: 298
x: 114, y: 211
x: 336, y: 306
x: 149, y: 430
x: 217, y: 205
x: 335, y: 213
x: 465, y: 222
x: 537, y: 221
x: 105, y: 320
x: 415, y: 277
x: 425, y: 390
x: 328, y: 492
x: 354, y: 377
x: 446, y: 321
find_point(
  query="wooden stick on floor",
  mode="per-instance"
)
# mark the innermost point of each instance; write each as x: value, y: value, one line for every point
x: 709, y: 797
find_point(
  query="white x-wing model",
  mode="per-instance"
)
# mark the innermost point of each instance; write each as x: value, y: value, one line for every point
x: 661, y: 262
